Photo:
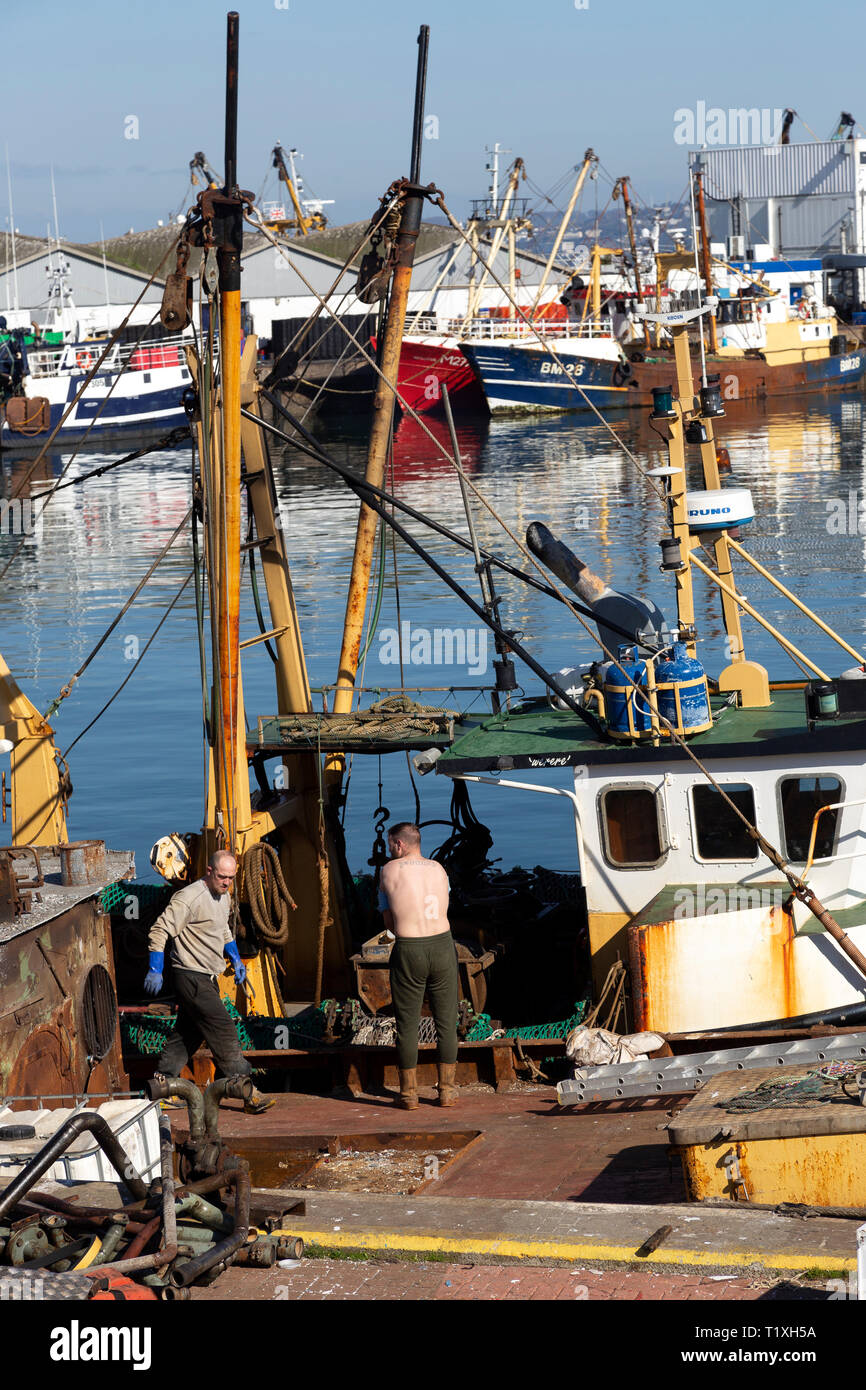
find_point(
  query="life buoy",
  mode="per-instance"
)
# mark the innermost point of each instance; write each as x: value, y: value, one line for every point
x: 803, y: 309
x: 84, y: 359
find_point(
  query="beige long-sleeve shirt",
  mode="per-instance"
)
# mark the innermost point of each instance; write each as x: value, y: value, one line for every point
x: 198, y: 925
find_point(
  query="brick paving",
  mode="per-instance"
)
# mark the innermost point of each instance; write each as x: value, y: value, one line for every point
x: 393, y: 1281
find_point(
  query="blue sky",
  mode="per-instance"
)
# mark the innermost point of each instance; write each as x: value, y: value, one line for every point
x: 335, y: 78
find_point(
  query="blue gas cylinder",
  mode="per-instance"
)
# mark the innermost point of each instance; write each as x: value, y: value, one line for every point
x: 682, y: 692
x: 627, y: 712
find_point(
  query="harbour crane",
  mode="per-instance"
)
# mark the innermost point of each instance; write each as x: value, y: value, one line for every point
x: 199, y: 164
x: 302, y: 222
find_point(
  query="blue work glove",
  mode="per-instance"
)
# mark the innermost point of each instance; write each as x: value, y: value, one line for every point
x: 153, y: 978
x: 231, y: 950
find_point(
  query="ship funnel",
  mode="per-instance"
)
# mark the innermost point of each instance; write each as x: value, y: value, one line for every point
x: 641, y: 618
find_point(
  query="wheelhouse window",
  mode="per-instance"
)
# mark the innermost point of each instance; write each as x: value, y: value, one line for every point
x: 800, y: 799
x: 719, y: 832
x: 631, y: 827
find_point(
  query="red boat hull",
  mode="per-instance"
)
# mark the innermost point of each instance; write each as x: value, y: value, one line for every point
x: 426, y: 367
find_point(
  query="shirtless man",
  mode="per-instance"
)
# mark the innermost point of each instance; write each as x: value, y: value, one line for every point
x: 413, y: 898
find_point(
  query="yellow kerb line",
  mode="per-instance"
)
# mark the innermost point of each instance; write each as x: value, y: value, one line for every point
x: 515, y: 1248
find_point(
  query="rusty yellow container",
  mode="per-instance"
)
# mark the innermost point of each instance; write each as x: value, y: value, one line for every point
x: 812, y: 1151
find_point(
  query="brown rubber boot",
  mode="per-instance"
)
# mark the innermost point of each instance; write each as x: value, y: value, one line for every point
x: 447, y: 1087
x: 256, y: 1103
x: 408, y: 1098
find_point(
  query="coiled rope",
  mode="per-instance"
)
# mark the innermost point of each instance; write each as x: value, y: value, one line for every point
x: 267, y: 893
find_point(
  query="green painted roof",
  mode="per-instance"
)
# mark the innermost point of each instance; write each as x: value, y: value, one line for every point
x: 535, y: 736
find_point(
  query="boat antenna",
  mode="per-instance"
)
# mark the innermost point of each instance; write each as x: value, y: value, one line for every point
x: 104, y: 265
x: 12, y: 228
x: 54, y: 204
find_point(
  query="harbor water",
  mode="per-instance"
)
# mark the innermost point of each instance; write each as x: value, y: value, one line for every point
x: 139, y: 772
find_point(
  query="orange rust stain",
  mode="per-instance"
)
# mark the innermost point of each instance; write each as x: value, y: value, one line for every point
x: 785, y: 938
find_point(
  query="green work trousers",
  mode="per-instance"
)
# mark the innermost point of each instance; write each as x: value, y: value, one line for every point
x: 419, y: 965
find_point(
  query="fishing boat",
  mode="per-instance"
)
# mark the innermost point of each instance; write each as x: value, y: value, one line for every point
x: 771, y: 334
x: 136, y: 388
x: 717, y: 819
x: 432, y: 354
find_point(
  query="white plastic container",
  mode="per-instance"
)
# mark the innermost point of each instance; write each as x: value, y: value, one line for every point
x: 135, y: 1122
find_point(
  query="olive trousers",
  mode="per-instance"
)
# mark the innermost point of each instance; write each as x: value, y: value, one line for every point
x: 419, y: 965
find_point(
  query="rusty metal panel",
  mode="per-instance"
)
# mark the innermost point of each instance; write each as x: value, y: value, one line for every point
x: 46, y: 1008
x: 712, y: 971
x: 824, y: 167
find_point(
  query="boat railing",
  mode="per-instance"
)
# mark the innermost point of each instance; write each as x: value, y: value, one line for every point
x: 81, y: 356
x: 490, y: 329
x: 830, y: 858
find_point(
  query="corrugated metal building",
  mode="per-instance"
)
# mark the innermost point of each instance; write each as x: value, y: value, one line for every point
x: 273, y: 287
x: 801, y: 200
x: 27, y: 281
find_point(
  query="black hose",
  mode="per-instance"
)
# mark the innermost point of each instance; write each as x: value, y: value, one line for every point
x: 85, y: 1121
x: 314, y: 450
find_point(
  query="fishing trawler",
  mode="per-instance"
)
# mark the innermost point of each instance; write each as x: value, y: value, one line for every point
x: 135, y: 388
x: 771, y: 334
x: 718, y: 820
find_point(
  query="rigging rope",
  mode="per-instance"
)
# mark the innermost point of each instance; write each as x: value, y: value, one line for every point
x: 55, y: 703
x: 135, y: 667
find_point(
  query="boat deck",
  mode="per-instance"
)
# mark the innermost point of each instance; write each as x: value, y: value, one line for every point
x: 536, y: 736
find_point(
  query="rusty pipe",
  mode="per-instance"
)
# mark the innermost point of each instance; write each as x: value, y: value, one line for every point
x: 39, y: 1164
x: 159, y: 1259
x: 220, y: 1253
x: 238, y: 1087
x: 165, y: 1087
x: 169, y: 1214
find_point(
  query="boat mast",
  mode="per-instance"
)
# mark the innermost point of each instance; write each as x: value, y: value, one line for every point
x: 589, y: 158
x: 228, y: 239
x: 706, y: 259
x: 501, y: 224
x: 383, y: 410
x: 621, y: 186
